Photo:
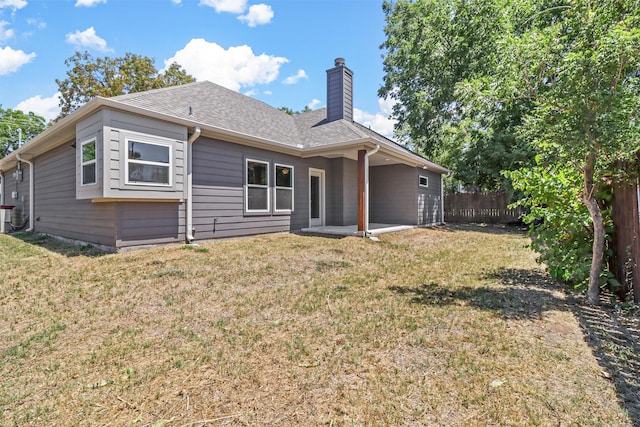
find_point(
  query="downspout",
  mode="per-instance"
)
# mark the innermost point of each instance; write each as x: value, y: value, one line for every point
x: 189, y: 190
x: 2, y: 188
x: 31, y: 190
x: 442, y: 177
x: 366, y: 191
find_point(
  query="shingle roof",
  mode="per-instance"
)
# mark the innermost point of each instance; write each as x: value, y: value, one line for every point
x: 214, y: 105
x: 217, y: 106
x: 315, y: 131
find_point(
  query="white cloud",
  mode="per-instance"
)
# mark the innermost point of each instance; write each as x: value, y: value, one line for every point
x: 259, y: 14
x: 251, y: 92
x: 176, y: 1
x: 45, y: 107
x: 88, y: 39
x: 89, y: 3
x: 11, y: 60
x: 232, y: 68
x: 5, y: 33
x: 37, y: 23
x: 386, y: 105
x: 291, y: 80
x: 268, y: 92
x: 15, y: 4
x: 314, y: 103
x: 232, y: 6
x: 380, y: 121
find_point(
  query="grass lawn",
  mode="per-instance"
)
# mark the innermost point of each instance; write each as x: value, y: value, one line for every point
x: 451, y: 326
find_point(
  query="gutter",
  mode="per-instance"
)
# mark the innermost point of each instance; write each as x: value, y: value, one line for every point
x: 366, y: 190
x: 31, y: 190
x: 189, y: 231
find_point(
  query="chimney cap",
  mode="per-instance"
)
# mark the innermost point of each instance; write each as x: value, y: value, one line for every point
x: 339, y: 61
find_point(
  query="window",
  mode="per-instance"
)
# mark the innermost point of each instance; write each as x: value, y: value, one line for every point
x: 424, y: 181
x: 89, y: 164
x: 148, y: 164
x: 257, y: 194
x: 284, y: 188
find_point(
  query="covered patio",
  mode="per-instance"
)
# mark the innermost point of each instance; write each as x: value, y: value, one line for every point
x: 352, y: 230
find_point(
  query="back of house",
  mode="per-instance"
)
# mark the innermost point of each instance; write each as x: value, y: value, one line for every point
x: 200, y: 161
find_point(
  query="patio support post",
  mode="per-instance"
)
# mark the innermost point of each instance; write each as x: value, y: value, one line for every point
x: 361, y: 190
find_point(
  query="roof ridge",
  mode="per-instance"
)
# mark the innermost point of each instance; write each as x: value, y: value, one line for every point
x: 158, y: 90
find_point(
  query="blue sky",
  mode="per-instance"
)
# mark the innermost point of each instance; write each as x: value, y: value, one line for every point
x: 274, y: 50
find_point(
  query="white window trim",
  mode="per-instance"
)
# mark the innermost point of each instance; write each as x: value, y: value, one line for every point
x: 275, y: 182
x: 127, y: 160
x: 421, y: 184
x: 83, y: 163
x: 247, y: 186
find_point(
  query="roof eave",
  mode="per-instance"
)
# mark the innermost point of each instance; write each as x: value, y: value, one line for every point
x: 402, y: 154
x: 64, y: 130
x: 52, y: 137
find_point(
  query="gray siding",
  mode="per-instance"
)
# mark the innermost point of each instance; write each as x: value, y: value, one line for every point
x: 147, y: 223
x: 397, y: 198
x: 430, y: 199
x: 339, y: 94
x: 393, y: 195
x: 344, y: 192
x: 120, y: 126
x: 90, y: 128
x: 112, y: 224
x: 57, y: 210
x: 111, y: 130
x: 218, y: 190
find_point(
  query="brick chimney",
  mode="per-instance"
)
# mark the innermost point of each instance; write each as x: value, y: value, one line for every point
x: 339, y: 92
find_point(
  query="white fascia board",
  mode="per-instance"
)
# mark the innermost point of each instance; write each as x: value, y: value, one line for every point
x: 56, y: 135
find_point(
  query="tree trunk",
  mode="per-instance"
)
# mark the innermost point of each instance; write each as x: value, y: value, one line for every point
x: 589, y: 199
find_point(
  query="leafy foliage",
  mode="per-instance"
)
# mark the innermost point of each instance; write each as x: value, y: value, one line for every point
x: 579, y: 69
x: 89, y: 77
x: 11, y: 121
x: 291, y: 112
x: 559, y: 223
x: 480, y: 83
x: 433, y: 49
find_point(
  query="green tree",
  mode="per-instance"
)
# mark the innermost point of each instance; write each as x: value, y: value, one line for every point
x: 561, y: 233
x: 578, y: 65
x: 472, y: 77
x: 433, y: 48
x: 88, y: 77
x: 16, y: 126
x: 290, y: 112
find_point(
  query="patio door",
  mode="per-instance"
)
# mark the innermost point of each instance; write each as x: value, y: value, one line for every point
x: 316, y: 198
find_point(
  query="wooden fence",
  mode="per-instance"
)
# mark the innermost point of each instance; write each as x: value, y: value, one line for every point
x: 490, y: 208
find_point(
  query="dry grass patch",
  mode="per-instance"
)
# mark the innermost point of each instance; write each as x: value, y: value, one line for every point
x: 445, y: 326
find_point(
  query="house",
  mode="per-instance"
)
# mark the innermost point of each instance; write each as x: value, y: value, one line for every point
x: 200, y: 161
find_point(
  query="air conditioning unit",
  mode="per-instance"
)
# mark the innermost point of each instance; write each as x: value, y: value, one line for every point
x: 5, y: 216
